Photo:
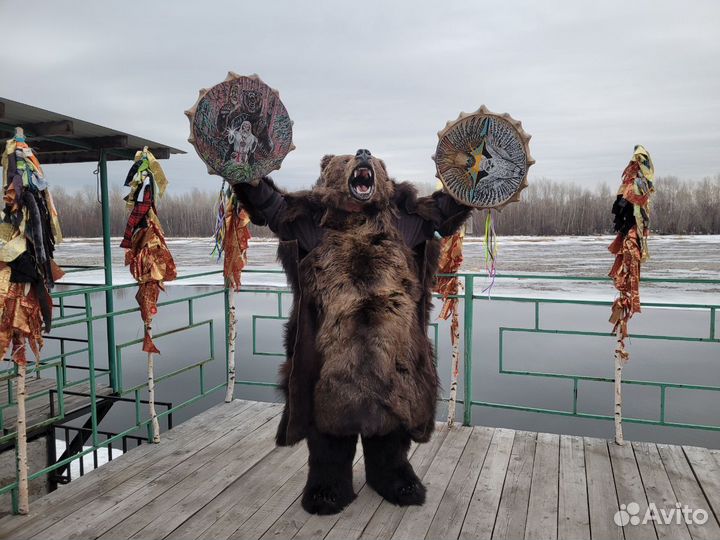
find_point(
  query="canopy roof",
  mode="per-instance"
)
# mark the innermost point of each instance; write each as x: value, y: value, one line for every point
x: 57, y: 138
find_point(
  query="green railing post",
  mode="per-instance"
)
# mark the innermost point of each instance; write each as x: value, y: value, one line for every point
x: 14, y: 497
x: 467, y: 348
x: 91, y: 369
x: 575, y: 395
x: 119, y: 374
x: 60, y: 384
x: 662, y: 402
x: 107, y: 259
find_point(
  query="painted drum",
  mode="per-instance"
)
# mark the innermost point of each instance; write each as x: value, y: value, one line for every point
x: 240, y: 128
x: 482, y: 159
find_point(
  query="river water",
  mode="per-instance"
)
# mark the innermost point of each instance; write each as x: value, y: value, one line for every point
x: 657, y: 360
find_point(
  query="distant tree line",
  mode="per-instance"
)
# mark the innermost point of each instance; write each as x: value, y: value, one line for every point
x: 547, y: 208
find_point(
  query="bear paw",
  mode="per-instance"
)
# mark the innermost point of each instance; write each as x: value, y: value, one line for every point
x: 402, y: 489
x: 326, y: 499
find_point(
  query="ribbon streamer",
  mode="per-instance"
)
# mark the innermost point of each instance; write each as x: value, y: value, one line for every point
x: 147, y: 255
x: 235, y: 241
x: 632, y: 220
x: 451, y: 258
x: 220, y: 229
x: 28, y: 235
x: 491, y: 250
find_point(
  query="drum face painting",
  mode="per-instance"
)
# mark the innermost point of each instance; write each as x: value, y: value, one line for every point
x: 483, y: 158
x: 240, y: 129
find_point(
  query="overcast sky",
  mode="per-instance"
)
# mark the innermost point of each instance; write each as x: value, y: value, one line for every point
x: 587, y: 79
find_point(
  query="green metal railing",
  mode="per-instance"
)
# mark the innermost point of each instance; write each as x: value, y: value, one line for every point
x: 71, y: 313
x: 662, y: 420
x: 75, y: 309
x: 468, y: 298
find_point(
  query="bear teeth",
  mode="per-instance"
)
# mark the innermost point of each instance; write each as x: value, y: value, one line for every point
x: 363, y: 172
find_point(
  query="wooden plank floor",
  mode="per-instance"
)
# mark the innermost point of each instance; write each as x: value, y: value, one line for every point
x: 219, y: 476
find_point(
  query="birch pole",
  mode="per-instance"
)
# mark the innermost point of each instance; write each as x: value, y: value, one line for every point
x: 621, y: 357
x: 451, y: 257
x: 232, y: 335
x: 21, y: 424
x: 630, y: 247
x: 22, y: 464
x: 455, y: 367
x: 618, y: 394
x: 151, y: 392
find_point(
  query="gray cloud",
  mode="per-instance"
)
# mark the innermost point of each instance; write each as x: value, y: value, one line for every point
x: 588, y: 80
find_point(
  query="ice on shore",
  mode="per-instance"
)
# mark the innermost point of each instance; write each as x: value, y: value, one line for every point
x: 672, y: 257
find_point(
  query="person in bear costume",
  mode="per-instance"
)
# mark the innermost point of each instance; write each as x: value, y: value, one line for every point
x: 360, y: 252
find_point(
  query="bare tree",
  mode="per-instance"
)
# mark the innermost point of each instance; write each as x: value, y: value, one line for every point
x: 546, y: 208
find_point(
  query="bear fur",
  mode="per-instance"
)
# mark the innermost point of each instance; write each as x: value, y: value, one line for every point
x: 359, y: 362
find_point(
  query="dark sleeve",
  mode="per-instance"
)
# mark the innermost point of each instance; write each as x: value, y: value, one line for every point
x: 451, y: 214
x: 438, y: 213
x: 267, y: 205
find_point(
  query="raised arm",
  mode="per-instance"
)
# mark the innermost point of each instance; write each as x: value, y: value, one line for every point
x: 264, y: 202
x: 422, y: 217
x: 451, y: 214
x: 287, y: 215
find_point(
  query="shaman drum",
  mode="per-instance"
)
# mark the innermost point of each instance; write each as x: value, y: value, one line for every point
x: 240, y: 128
x: 482, y: 159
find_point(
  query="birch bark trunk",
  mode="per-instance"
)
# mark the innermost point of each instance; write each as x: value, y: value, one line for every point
x: 232, y: 335
x: 151, y: 393
x: 22, y: 466
x: 618, y: 391
x: 455, y: 367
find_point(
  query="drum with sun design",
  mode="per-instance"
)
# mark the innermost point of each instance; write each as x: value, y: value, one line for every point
x: 240, y: 128
x: 482, y: 159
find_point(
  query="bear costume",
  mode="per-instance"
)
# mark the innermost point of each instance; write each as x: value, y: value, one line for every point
x: 360, y: 252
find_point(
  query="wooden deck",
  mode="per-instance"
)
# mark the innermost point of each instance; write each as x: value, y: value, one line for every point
x: 220, y: 476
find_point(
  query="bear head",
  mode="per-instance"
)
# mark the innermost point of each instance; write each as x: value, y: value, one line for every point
x: 359, y: 179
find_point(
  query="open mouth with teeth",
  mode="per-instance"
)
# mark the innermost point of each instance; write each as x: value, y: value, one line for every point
x: 362, y: 182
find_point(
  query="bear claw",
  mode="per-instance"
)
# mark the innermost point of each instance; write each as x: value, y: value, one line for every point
x: 409, y: 493
x: 403, y: 490
x: 325, y: 500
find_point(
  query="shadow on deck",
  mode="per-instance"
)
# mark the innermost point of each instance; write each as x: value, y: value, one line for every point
x: 219, y: 475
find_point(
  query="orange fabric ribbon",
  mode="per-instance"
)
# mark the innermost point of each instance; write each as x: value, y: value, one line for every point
x: 631, y: 250
x: 625, y: 274
x: 151, y: 264
x: 451, y: 258
x: 21, y: 320
x: 235, y: 243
